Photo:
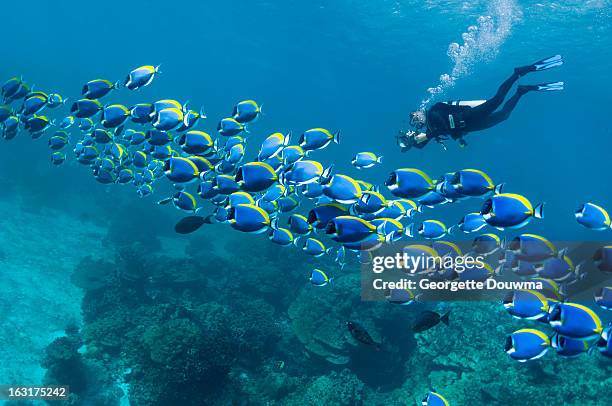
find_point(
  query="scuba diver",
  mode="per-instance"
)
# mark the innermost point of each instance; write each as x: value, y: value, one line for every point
x: 457, y: 118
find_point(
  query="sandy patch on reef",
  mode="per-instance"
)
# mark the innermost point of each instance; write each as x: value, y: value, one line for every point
x: 38, y: 251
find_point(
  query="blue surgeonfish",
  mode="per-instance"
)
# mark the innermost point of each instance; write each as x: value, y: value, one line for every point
x: 275, y: 192
x: 341, y: 188
x: 102, y: 136
x: 140, y: 159
x: 125, y: 175
x: 429, y: 229
x: 298, y: 224
x: 527, y: 344
x: 574, y: 320
x: 97, y: 88
x: 273, y: 145
x: 593, y: 216
x: 67, y: 122
x: 181, y: 170
x: 349, y: 229
x: 158, y: 137
x: 195, y: 142
x: 58, y: 158
x: 256, y: 176
x: 603, y: 258
x: 287, y: 204
x: 37, y: 124
x: 34, y: 103
x: 364, y: 160
x: 401, y: 297
x: 526, y: 304
x: 291, y: 154
x: 141, y: 113
x: 226, y: 184
x: 603, y: 297
x: 315, y: 248
x: 246, y: 111
x: 248, y: 218
x: 58, y: 141
x: 569, y: 347
x: 409, y: 183
x: 240, y: 198
x: 281, y: 236
x: 86, y: 125
x: 22, y: 90
x: 85, y: 108
x: 321, y: 214
x: 55, y: 100
x: 317, y: 138
x: 319, y: 278
x: 182, y: 201
x: 114, y: 115
x: 534, y: 248
x: 434, y: 399
x: 508, y: 210
x: 11, y: 124
x: 168, y: 119
x: 560, y: 269
x: 470, y: 223
x: 392, y: 229
x: 11, y: 86
x: 486, y: 244
x: 141, y: 77
x: 229, y: 127
x: 370, y: 201
x: 302, y: 172
x: 474, y: 182
x: 235, y: 154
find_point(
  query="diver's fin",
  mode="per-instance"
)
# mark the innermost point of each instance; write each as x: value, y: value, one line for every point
x: 548, y: 63
x: 543, y: 87
x: 544, y: 64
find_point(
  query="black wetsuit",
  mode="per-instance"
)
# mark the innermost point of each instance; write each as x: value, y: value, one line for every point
x: 456, y: 120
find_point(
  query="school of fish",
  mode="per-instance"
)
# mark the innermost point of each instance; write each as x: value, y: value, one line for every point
x: 300, y: 202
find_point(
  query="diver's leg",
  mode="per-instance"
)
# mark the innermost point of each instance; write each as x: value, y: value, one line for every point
x: 493, y: 103
x: 501, y: 115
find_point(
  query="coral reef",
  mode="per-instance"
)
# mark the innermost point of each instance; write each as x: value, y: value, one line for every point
x: 235, y: 322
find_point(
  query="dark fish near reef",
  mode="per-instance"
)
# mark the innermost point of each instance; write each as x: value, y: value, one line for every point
x: 429, y: 319
x: 360, y: 334
x: 190, y: 224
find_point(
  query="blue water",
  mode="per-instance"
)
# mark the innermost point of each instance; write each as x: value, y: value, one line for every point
x: 357, y: 67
